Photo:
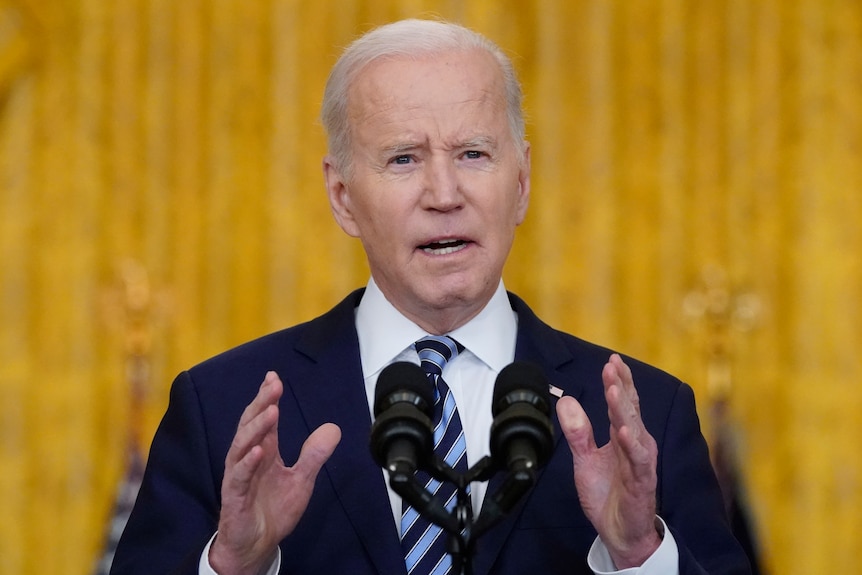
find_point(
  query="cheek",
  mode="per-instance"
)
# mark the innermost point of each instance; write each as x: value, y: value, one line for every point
x: 510, y: 215
x: 382, y: 231
x: 367, y: 214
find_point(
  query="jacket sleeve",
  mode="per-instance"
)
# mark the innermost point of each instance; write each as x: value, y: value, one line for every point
x: 176, y: 511
x: 689, y: 498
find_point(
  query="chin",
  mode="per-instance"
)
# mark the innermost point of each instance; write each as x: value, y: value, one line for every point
x: 448, y: 295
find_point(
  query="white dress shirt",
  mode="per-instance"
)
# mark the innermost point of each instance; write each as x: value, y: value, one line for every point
x: 386, y: 336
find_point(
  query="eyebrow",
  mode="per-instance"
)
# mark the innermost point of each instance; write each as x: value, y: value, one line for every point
x: 478, y: 142
x: 401, y: 148
x: 409, y: 146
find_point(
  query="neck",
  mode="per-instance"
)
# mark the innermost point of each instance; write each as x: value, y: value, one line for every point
x: 443, y: 315
x: 442, y: 322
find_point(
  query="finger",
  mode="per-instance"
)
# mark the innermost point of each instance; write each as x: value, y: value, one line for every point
x: 260, y: 430
x: 239, y: 476
x: 631, y: 440
x: 636, y: 464
x: 317, y: 449
x: 576, y: 427
x: 621, y: 396
x: 268, y: 394
x: 637, y: 448
x: 253, y: 435
x: 626, y: 379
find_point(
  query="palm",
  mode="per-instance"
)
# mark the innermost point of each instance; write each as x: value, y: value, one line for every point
x: 612, y: 497
x: 616, y: 483
x: 262, y: 499
x: 281, y: 495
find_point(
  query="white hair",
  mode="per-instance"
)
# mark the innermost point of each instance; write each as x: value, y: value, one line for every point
x: 411, y: 38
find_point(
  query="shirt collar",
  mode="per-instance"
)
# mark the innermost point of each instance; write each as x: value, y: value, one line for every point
x: 384, y: 333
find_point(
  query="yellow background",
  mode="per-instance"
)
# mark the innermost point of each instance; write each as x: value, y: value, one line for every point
x: 668, y: 137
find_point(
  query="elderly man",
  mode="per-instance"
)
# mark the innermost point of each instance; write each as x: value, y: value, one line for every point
x: 430, y: 169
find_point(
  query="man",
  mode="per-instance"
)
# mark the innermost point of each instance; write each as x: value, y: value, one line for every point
x: 429, y: 168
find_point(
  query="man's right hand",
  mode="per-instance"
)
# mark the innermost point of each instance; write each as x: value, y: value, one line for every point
x: 262, y: 499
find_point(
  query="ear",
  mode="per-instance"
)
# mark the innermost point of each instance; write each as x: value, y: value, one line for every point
x: 337, y: 189
x: 524, y: 185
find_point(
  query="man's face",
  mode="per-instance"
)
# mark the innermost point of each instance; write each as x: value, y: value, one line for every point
x: 438, y: 185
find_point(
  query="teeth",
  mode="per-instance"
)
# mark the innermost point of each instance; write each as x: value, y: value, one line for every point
x: 444, y: 247
x: 443, y: 251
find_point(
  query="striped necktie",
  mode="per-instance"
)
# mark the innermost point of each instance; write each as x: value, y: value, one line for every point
x: 423, y: 542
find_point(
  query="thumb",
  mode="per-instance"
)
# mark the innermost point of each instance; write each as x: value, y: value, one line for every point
x: 317, y: 449
x: 576, y: 428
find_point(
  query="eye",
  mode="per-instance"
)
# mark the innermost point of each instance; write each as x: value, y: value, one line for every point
x: 401, y: 160
x: 473, y: 154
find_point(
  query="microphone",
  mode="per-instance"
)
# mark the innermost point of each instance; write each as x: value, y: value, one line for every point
x: 402, y: 436
x: 521, y: 433
x: 521, y: 438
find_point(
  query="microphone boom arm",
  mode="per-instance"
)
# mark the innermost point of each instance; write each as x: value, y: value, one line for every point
x: 406, y: 485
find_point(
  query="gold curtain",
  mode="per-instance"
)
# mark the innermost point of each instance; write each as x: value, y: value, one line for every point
x: 668, y: 137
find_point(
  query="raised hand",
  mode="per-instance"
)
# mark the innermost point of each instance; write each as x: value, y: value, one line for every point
x: 616, y: 483
x: 262, y: 499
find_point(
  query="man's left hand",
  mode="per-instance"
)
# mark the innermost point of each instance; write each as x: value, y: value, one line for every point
x: 616, y: 483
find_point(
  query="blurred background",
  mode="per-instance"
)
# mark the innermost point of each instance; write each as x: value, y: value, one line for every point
x: 697, y: 169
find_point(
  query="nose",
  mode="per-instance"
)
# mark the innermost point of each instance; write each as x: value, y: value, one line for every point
x: 442, y: 189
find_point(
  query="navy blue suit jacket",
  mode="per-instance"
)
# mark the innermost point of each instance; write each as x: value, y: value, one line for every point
x: 348, y: 527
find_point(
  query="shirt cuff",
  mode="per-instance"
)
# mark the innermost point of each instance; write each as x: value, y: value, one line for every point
x: 204, y: 567
x: 664, y: 561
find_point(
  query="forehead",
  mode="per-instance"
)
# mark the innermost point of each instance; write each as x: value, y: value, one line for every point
x: 445, y: 86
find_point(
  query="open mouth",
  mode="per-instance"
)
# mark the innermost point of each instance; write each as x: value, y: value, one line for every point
x: 444, y: 247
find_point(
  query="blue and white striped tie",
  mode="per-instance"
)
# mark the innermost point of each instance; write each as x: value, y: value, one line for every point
x: 423, y: 542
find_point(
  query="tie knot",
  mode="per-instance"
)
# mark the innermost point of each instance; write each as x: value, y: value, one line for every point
x: 435, y: 350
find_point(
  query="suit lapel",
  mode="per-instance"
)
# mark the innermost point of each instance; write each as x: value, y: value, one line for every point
x: 330, y: 389
x: 536, y: 343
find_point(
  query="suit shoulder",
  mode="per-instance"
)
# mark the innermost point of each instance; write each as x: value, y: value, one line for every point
x: 646, y: 371
x: 567, y: 352
x: 278, y: 350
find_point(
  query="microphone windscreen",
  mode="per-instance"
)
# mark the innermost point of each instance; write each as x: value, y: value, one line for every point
x: 521, y: 381
x: 402, y: 381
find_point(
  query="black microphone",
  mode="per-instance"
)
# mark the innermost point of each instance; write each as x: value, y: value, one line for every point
x: 402, y: 436
x: 521, y: 433
x: 521, y: 437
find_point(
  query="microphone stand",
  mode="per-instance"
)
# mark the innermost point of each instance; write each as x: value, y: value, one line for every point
x: 459, y: 524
